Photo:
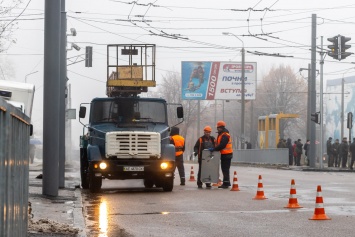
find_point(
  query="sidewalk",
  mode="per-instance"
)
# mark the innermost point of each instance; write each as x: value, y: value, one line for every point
x: 55, y: 216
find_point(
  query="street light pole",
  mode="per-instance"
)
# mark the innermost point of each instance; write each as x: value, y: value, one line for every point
x: 242, y: 90
x: 243, y: 97
x: 29, y: 74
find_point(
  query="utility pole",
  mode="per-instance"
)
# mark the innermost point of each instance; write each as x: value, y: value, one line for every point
x: 342, y: 109
x: 63, y: 82
x: 312, y: 139
x: 242, y: 129
x: 309, y: 103
x: 51, y: 98
x: 243, y: 97
x: 321, y: 105
x: 198, y: 119
x: 308, y: 121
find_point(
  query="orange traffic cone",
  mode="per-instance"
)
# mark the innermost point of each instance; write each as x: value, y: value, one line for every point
x: 192, y: 175
x: 319, y: 213
x: 235, y: 182
x: 292, y: 201
x: 260, y: 191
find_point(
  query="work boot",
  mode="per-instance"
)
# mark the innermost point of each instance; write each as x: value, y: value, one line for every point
x: 223, y: 186
x: 182, y: 181
x: 199, y: 186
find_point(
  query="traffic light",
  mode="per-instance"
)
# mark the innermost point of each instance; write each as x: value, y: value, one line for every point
x: 344, y: 47
x: 316, y: 117
x: 350, y: 120
x: 88, y: 56
x: 334, y: 53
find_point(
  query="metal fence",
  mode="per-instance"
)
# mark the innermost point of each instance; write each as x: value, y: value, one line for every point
x: 261, y: 156
x: 14, y: 152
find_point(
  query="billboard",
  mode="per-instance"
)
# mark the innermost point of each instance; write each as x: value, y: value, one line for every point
x: 217, y: 80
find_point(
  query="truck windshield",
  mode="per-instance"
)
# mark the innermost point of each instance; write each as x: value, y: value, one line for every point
x: 128, y: 111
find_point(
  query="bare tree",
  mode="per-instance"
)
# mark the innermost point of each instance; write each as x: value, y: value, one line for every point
x: 281, y: 91
x: 8, y: 24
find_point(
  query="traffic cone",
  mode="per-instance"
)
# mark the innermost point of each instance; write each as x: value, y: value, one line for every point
x: 319, y: 213
x: 260, y: 191
x: 292, y: 201
x: 192, y: 175
x: 235, y: 182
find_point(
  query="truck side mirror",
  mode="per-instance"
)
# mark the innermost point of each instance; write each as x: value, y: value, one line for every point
x: 180, y: 112
x: 82, y: 112
x: 31, y: 129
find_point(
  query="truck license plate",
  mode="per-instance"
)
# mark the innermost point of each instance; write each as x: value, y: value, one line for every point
x: 133, y: 168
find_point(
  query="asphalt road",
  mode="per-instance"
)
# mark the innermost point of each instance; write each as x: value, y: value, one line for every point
x: 125, y: 208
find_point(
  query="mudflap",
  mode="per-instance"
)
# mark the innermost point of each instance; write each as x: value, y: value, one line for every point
x: 210, y: 166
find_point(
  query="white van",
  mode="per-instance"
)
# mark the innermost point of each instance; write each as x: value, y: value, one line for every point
x: 18, y: 94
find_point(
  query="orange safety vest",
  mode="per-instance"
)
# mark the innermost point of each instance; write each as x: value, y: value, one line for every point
x: 228, y: 149
x: 179, y: 143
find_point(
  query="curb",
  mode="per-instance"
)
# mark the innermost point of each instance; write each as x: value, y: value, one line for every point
x: 78, y: 216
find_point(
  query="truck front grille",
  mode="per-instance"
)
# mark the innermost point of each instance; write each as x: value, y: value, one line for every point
x: 141, y: 145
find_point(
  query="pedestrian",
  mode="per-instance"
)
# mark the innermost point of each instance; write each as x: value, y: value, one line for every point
x: 335, y: 151
x: 299, y: 152
x: 224, y: 146
x: 330, y: 152
x: 352, y: 152
x: 179, y: 143
x: 32, y: 153
x: 343, y: 152
x: 281, y: 144
x: 284, y: 143
x: 294, y: 152
x: 290, y: 151
x: 306, y: 149
x: 204, y: 142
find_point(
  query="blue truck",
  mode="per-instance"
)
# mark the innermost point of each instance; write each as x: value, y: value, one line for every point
x: 127, y: 136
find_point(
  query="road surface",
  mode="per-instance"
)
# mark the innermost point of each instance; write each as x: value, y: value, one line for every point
x: 125, y: 208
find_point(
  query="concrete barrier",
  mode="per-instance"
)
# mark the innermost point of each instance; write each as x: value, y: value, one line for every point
x: 272, y: 156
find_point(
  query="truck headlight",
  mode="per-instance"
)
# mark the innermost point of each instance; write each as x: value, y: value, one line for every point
x: 103, y: 165
x: 164, y: 165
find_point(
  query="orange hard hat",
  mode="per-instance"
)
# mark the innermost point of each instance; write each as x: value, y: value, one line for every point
x: 221, y: 124
x: 207, y: 129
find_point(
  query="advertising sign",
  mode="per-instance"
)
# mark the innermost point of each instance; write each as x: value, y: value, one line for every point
x: 217, y: 80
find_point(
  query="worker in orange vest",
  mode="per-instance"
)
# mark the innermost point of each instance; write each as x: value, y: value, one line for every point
x: 179, y: 143
x: 204, y: 142
x: 224, y: 146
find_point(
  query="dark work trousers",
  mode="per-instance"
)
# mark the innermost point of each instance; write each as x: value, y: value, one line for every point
x: 298, y: 159
x: 179, y: 160
x: 337, y: 160
x: 199, y: 182
x: 290, y: 159
x: 352, y: 160
x: 344, y: 160
x: 225, y: 166
x: 330, y: 160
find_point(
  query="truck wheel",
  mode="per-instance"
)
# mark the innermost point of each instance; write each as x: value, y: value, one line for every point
x: 148, y: 183
x: 95, y: 184
x: 84, y: 180
x: 83, y: 169
x: 168, y: 185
